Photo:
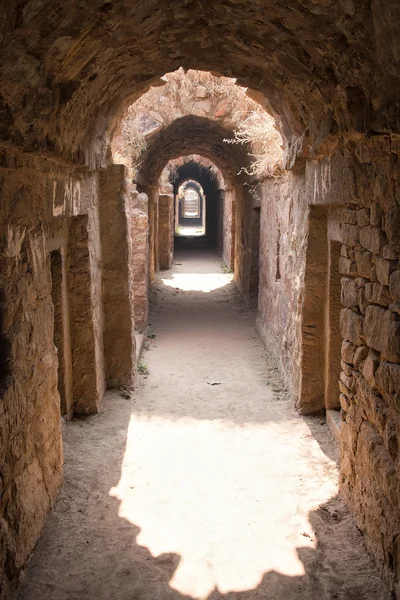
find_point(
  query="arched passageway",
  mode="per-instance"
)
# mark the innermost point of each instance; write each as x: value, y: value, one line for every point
x: 74, y: 228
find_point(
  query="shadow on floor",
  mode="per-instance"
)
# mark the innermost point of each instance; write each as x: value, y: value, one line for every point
x: 206, y: 484
x: 90, y: 551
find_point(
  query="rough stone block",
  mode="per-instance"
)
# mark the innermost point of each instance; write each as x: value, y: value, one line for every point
x: 394, y: 285
x: 344, y: 403
x: 372, y: 405
x: 383, y: 269
x: 372, y: 238
x: 365, y: 264
x: 351, y: 326
x: 347, y: 352
x: 360, y: 355
x: 349, y: 293
x: 362, y: 301
x: 344, y: 389
x: 392, y: 226
x: 376, y: 214
x: 348, y: 234
x: 394, y: 307
x: 347, y: 266
x: 388, y: 378
x: 201, y: 91
x: 363, y: 218
x: 344, y: 251
x: 377, y: 294
x: 347, y: 369
x: 370, y: 367
x: 349, y: 216
x: 389, y: 253
x: 348, y: 381
x: 382, y: 332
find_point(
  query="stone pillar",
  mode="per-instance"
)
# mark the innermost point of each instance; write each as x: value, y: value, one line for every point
x: 165, y: 227
x: 228, y: 227
x: 139, y: 239
x: 312, y: 386
x: 87, y: 365
x: 61, y: 336
x: 152, y: 194
x: 117, y: 286
x: 247, y: 240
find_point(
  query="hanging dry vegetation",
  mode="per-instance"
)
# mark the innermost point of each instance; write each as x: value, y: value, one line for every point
x: 202, y: 94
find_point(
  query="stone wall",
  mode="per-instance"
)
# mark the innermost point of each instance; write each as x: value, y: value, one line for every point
x: 370, y: 327
x: 329, y: 279
x: 283, y: 245
x: 40, y: 205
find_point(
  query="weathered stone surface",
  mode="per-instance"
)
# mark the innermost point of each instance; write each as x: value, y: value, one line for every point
x: 360, y: 355
x: 350, y: 292
x: 394, y: 287
x: 365, y: 264
x: 383, y: 269
x: 351, y: 326
x: 201, y: 91
x: 372, y: 238
x: 382, y: 332
x: 344, y: 402
x: 377, y: 294
x: 348, y: 350
x: 353, y: 294
x: 370, y: 366
x: 389, y: 253
x: 376, y: 214
x: 388, y: 379
x: 118, y: 302
x: 392, y: 226
x: 139, y: 239
x: 347, y: 266
x: 87, y: 349
x: 348, y: 234
x: 346, y: 368
x: 165, y: 230
x: 363, y: 217
x: 349, y: 216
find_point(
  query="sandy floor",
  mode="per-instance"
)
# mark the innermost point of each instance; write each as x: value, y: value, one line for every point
x: 205, y: 483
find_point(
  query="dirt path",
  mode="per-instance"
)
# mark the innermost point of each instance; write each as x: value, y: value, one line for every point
x: 205, y: 483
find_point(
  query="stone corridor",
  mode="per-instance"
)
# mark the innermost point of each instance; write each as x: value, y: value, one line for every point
x: 205, y: 482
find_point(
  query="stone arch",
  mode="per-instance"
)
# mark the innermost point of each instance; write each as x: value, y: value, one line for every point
x: 192, y: 134
x: 316, y: 68
x: 220, y: 222
x: 188, y: 135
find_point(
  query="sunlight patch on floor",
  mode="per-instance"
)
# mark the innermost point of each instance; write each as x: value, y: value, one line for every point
x: 231, y: 500
x: 199, y: 282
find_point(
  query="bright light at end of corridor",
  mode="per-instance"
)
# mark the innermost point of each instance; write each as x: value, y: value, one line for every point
x: 227, y: 499
x: 198, y: 282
